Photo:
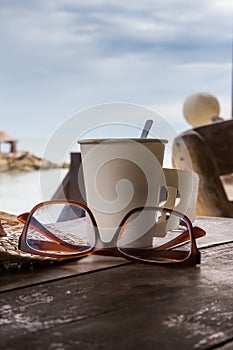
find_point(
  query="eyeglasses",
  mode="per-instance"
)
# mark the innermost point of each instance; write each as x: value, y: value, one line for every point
x: 66, y: 229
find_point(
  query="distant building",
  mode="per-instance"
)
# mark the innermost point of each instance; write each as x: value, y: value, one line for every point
x: 5, y: 138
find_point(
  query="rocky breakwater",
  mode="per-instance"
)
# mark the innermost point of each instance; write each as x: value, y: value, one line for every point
x: 25, y: 161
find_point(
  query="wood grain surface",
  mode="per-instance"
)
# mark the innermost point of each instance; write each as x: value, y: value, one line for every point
x: 128, y: 307
x: 114, y: 304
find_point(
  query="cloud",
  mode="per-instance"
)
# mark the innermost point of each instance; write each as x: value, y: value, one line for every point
x: 60, y: 56
x: 105, y: 28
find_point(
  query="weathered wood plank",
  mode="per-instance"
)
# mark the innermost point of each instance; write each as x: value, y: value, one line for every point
x: 14, y: 278
x: 134, y: 306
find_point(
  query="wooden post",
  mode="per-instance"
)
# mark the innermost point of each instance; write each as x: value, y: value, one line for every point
x: 76, y: 185
x: 13, y: 146
x: 72, y: 187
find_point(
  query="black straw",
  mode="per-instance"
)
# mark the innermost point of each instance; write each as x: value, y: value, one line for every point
x: 146, y: 128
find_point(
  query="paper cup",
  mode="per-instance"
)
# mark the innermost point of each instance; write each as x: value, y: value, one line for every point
x: 119, y: 175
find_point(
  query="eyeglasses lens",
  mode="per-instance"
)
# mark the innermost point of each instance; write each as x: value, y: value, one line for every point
x: 155, y: 236
x: 60, y: 229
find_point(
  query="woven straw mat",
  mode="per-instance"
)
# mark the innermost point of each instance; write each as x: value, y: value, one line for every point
x: 9, y: 252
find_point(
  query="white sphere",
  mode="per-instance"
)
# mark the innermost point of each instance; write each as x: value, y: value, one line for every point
x: 200, y: 108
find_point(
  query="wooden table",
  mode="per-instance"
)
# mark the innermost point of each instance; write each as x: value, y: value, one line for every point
x: 109, y: 303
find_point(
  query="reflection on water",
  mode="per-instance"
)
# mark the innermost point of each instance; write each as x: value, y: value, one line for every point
x: 19, y: 192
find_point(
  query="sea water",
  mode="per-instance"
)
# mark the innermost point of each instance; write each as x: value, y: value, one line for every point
x: 20, y: 191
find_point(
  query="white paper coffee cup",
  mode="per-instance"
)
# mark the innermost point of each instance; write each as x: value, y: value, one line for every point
x: 119, y: 175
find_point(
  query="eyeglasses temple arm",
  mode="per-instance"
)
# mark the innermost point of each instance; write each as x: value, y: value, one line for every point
x: 35, y: 224
x: 23, y: 217
x: 184, y: 237
x: 54, y: 247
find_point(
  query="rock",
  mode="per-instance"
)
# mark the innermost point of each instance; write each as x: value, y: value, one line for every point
x: 25, y: 161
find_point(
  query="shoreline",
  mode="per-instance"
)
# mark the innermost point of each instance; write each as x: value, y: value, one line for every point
x: 24, y: 161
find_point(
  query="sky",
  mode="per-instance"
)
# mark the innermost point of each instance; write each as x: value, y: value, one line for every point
x: 59, y: 57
